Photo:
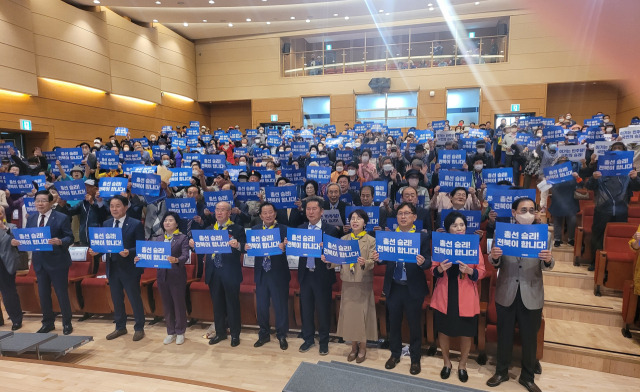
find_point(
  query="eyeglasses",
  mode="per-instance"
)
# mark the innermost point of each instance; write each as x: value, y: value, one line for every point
x: 525, y: 210
x: 405, y: 213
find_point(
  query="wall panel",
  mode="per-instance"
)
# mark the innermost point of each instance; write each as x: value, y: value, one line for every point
x: 230, y: 114
x: 582, y: 100
x: 18, y: 60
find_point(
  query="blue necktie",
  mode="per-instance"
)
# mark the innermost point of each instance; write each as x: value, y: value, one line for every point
x: 399, y: 273
x: 217, y: 260
x: 311, y: 261
x: 266, y: 263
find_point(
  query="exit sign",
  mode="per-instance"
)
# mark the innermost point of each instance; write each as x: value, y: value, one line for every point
x: 515, y: 107
x: 25, y: 125
x: 274, y: 117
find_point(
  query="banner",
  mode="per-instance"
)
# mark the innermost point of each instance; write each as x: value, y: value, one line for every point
x: 630, y: 134
x: 299, y: 149
x: 501, y: 199
x: 33, y: 239
x: 180, y: 176
x: 380, y: 190
x: 594, y: 134
x: 372, y: 212
x: 70, y: 154
x: 304, y: 242
x: 398, y: 246
x: 442, y: 137
x: 111, y: 186
x: 616, y: 163
x: 339, y: 251
x: 213, y: 198
x: 395, y: 132
x: 132, y: 157
x: 423, y: 136
x: 468, y: 144
x: 264, y: 242
x: 122, y: 131
x: 71, y: 190
x: 451, y: 159
x: 179, y: 142
x: 267, y: 177
x: 189, y: 157
x: 575, y: 153
x: 553, y: 134
x: 296, y: 176
x: 440, y: 124
x: 106, y: 239
x: 449, y: 180
x: 282, y: 196
x: 521, y: 240
x: 129, y: 169
x: 474, y: 217
x: 493, y: 176
x: 558, y: 173
x: 456, y: 247
x: 211, y: 241
x: 184, y: 207
x: 23, y: 184
x: 4, y: 151
x: 318, y: 173
x: 344, y: 155
x: 145, y: 184
x: 153, y: 254
x: 247, y: 191
x: 332, y: 217
x: 213, y: 164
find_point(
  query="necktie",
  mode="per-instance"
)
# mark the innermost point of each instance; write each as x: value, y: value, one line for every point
x: 42, y: 218
x: 117, y: 223
x: 311, y: 262
x: 266, y: 261
x: 400, y: 273
x: 217, y: 259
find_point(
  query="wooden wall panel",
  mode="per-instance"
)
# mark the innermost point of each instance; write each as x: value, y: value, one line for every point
x: 582, y: 100
x: 230, y: 114
x: 18, y: 60
x: 498, y: 99
x: 343, y: 110
x: 287, y: 109
x: 628, y: 107
x: 177, y: 63
x: 431, y: 108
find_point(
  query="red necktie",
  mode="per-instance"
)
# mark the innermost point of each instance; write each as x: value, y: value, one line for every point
x: 42, y: 217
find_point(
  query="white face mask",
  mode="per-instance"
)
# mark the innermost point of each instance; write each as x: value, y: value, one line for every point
x: 525, y: 219
x: 365, y: 159
x: 339, y: 168
x: 357, y: 145
x: 244, y: 144
x: 352, y: 172
x: 481, y: 150
x: 478, y: 167
x: 413, y: 182
x: 388, y: 167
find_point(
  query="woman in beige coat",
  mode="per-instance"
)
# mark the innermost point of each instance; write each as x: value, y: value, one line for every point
x: 357, y: 320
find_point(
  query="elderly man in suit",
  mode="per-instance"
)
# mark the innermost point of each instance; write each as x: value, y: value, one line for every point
x: 9, y: 262
x: 316, y: 279
x: 519, y: 298
x: 52, y: 267
x: 122, y: 272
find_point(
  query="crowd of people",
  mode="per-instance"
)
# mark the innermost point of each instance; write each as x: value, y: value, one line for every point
x: 408, y: 165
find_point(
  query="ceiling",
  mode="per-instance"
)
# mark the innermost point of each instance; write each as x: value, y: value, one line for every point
x: 227, y: 18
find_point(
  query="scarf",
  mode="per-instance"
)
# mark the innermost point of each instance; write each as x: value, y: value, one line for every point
x: 168, y: 237
x: 352, y: 266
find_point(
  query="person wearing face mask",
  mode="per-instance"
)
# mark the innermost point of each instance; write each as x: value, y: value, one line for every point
x: 339, y: 170
x: 519, y: 298
x: 476, y: 178
x: 352, y: 172
x: 481, y: 153
x: 227, y: 148
x: 97, y: 143
x: 568, y: 118
x: 30, y: 168
x: 367, y: 170
x: 564, y: 207
x: 415, y: 180
x: 396, y: 160
x: 388, y: 173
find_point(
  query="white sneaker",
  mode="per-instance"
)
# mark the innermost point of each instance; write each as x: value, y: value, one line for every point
x: 169, y: 339
x: 180, y: 339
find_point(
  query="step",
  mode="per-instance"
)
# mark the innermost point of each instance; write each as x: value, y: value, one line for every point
x: 576, y: 304
x: 561, y: 276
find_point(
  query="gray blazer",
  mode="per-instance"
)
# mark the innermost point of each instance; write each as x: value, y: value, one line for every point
x: 522, y: 272
x: 8, y: 254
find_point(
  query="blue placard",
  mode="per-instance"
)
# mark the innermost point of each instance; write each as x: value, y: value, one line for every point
x: 170, y: 133
x: 346, y: 198
x: 451, y: 159
x: 412, y: 148
x: 264, y: 242
x: 144, y: 142
x: 33, y: 239
x: 592, y: 122
x: 440, y: 124
x: 179, y: 142
x: 274, y: 141
x: 553, y: 134
x: 129, y: 169
x: 558, y: 173
x: 70, y: 154
x: 339, y: 251
x: 521, y: 240
x: 235, y: 135
x: 247, y: 191
x: 282, y: 196
x: 153, y: 254
x: 377, y: 149
x: 449, y: 180
x: 107, y: 159
x: 29, y: 204
x: 372, y: 212
x: 240, y: 151
x: 251, y: 132
x: 493, y: 176
x: 206, y: 138
x: 134, y: 157
x: 380, y: 190
x: 106, y: 239
x: 213, y: 198
x: 299, y: 149
x: 145, y: 184
x: 122, y: 131
x: 468, y: 144
x: 616, y: 163
x: 23, y: 184
x: 360, y: 128
x: 594, y: 134
x: 157, y: 153
x: 50, y: 155
x: 523, y: 139
x: 184, y: 207
x: 272, y: 132
x: 111, y: 186
x: 167, y: 128
x: 4, y: 151
x: 473, y: 219
x: 345, y: 155
x: 635, y: 121
x: 398, y: 246
x: 180, y: 176
x: 304, y: 242
x: 194, y: 124
x: 423, y: 136
x: 321, y: 161
x: 296, y: 176
x: 477, y: 133
x: 211, y: 241
x: 213, y: 164
x: 395, y: 132
x: 320, y: 174
x: 66, y: 166
x: 189, y: 157
x: 267, y: 177
x: 71, y: 190
x: 193, y: 141
x: 456, y: 247
x: 501, y: 199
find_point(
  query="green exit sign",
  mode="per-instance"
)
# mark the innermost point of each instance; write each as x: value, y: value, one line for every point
x: 25, y: 125
x: 274, y: 117
x: 515, y: 107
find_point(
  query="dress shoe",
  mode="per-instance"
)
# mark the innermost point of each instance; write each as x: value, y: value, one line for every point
x: 361, y: 358
x: 235, y: 342
x: 463, y: 376
x: 261, y: 342
x: 67, y: 329
x: 352, y: 355
x: 592, y: 267
x: 445, y: 372
x: 537, y: 369
x: 46, y: 328
x: 324, y: 349
x: 138, y: 335
x: 283, y: 344
x: 530, y: 385
x: 180, y: 339
x: 497, y: 380
x: 306, y: 346
x: 217, y: 339
x: 16, y: 326
x: 557, y: 243
x: 571, y: 242
x: 391, y: 363
x: 415, y: 368
x: 117, y: 333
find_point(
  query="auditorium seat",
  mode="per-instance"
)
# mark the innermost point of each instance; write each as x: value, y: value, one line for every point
x: 201, y: 305
x: 629, y: 307
x: 614, y: 263
x: 78, y: 271
x: 248, y: 314
x: 583, y: 233
x: 147, y: 280
x: 28, y: 291
x: 634, y: 214
x: 294, y: 301
x: 96, y: 293
x: 379, y: 271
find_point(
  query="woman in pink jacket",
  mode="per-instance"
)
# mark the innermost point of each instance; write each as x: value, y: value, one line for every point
x: 455, y: 301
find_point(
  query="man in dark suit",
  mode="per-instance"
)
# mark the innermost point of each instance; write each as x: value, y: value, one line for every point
x: 334, y: 203
x: 52, y: 267
x: 121, y: 270
x: 272, y: 276
x: 9, y: 259
x: 223, y: 274
x: 409, y: 195
x: 316, y: 279
x: 291, y: 217
x: 405, y: 287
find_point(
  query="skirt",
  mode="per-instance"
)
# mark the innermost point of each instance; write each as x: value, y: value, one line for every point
x: 357, y: 321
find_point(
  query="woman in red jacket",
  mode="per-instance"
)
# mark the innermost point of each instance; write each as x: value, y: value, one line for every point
x: 455, y: 301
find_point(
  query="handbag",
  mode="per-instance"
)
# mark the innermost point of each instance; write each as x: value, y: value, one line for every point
x: 581, y: 194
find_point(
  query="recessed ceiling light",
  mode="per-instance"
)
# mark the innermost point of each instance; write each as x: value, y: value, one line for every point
x: 211, y: 2
x: 185, y: 24
x: 155, y: 21
x: 477, y: 3
x: 308, y: 20
x: 230, y: 24
x: 264, y: 0
x: 381, y: 11
x: 96, y: 1
x: 293, y: 17
x: 204, y: 20
x: 430, y: 5
x: 335, y: 14
x: 346, y: 18
x: 158, y: 2
x: 248, y: 19
x: 268, y: 22
x: 430, y: 8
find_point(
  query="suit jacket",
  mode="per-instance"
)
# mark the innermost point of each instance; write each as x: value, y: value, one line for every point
x: 295, y: 218
x: 59, y: 257
x: 524, y: 273
x: 279, y: 264
x: 416, y: 279
x: 8, y: 254
x: 179, y: 249
x: 231, y: 269
x: 323, y: 271
x: 132, y: 231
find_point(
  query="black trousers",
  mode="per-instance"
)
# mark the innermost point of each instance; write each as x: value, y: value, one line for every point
x: 528, y: 324
x: 315, y: 295
x: 226, y: 306
x: 10, y: 295
x: 119, y: 282
x: 59, y: 279
x: 600, y: 220
x: 271, y: 289
x: 399, y: 303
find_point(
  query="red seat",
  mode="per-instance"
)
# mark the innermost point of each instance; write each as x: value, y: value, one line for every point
x: 248, y: 310
x: 96, y: 293
x: 28, y: 291
x: 147, y: 279
x: 336, y: 291
x: 379, y: 270
x: 201, y: 304
x: 629, y: 307
x: 583, y: 233
x: 614, y: 263
x: 78, y: 271
x: 634, y: 214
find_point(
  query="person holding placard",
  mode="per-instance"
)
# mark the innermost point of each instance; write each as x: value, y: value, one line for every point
x: 333, y: 203
x: 366, y: 170
x: 271, y: 275
x: 357, y: 320
x: 91, y: 211
x: 564, y: 207
x: 9, y: 260
x: 121, y: 269
x: 519, y: 298
x: 455, y: 301
x: 458, y: 199
x: 52, y: 267
x: 405, y: 287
